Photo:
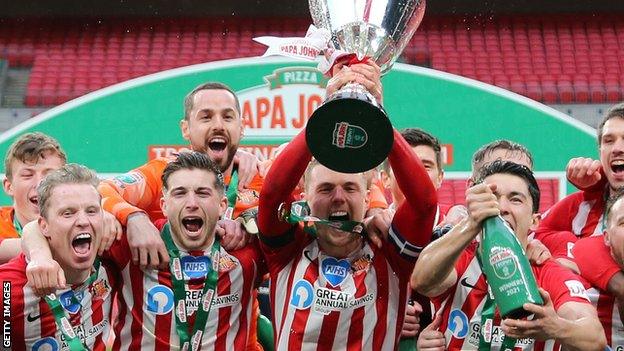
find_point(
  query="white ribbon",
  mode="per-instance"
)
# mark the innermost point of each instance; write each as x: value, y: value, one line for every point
x: 308, y: 48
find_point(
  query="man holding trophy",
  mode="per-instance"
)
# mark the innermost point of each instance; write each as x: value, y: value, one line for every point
x: 331, y: 288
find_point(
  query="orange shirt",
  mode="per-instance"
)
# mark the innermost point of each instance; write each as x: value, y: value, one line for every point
x: 7, y: 229
x: 140, y: 190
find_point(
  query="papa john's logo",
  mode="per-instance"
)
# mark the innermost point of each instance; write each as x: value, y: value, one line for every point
x: 159, y: 300
x: 349, y: 135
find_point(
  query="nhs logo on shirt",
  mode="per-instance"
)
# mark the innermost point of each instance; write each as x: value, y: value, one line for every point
x: 195, y: 266
x: 68, y: 303
x: 302, y: 295
x: 159, y: 300
x: 335, y: 271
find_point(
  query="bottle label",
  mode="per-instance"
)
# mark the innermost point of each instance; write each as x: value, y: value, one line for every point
x: 504, y: 262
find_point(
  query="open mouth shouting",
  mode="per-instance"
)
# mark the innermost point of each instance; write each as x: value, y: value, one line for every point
x: 217, y: 145
x: 339, y: 216
x: 81, y: 244
x: 617, y: 166
x: 193, y: 226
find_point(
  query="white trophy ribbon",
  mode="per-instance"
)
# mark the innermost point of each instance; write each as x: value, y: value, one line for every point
x: 307, y: 48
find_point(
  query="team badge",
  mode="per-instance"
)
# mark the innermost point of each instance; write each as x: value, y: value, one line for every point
x: 127, y: 179
x: 100, y: 289
x: 247, y: 196
x: 67, y: 301
x: 361, y: 265
x: 226, y: 263
x: 335, y: 271
x: 195, y: 266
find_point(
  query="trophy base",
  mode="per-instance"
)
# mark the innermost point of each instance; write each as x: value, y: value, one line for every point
x: 349, y: 135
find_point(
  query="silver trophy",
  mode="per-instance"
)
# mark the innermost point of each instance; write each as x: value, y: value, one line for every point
x: 355, y: 123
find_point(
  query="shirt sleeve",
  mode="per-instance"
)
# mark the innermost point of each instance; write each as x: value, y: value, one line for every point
x: 413, y: 222
x: 134, y: 191
x: 562, y: 284
x: 593, y: 258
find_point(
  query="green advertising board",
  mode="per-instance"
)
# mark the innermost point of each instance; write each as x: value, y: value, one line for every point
x: 118, y: 128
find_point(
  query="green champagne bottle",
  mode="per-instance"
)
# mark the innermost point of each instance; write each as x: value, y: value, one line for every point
x: 507, y: 269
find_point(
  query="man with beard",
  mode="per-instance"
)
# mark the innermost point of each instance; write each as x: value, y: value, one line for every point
x: 212, y: 124
x: 204, y: 298
x: 76, y: 317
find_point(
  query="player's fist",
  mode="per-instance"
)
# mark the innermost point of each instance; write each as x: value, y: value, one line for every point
x: 583, y: 172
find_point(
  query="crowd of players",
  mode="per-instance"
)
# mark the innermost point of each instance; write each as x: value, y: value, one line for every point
x: 169, y: 255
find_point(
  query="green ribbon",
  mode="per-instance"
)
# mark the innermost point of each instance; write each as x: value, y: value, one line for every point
x: 179, y: 293
x: 300, y: 213
x: 487, y: 321
x: 231, y: 194
x: 61, y: 317
x: 17, y: 225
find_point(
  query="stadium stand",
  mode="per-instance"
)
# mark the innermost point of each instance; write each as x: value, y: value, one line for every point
x: 553, y: 59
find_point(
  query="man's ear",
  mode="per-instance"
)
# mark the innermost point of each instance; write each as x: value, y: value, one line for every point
x: 43, y: 227
x: 163, y: 205
x: 8, y: 186
x: 537, y: 217
x: 184, y: 128
x: 607, y: 238
x: 223, y: 205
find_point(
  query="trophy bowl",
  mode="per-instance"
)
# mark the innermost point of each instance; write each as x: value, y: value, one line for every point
x: 350, y: 132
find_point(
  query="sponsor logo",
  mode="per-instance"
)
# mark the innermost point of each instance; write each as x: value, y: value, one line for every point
x: 247, y: 196
x: 302, y: 295
x: 504, y: 262
x: 458, y: 324
x: 195, y: 267
x: 33, y: 317
x: 67, y: 301
x: 159, y: 300
x: 576, y: 289
x: 48, y: 343
x: 335, y: 271
x: 465, y: 283
x: 329, y: 300
x: 349, y: 136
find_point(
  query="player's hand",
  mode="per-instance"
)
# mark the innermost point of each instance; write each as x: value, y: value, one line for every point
x: 481, y: 203
x: 247, y: 167
x: 454, y: 215
x: 583, y: 172
x: 112, y: 231
x: 367, y: 74
x: 430, y: 338
x: 44, y: 275
x: 411, y: 324
x: 545, y: 324
x: 378, y: 226
x: 537, y: 252
x: 232, y: 233
x: 147, y: 247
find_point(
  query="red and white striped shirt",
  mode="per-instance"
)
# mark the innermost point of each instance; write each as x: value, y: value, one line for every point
x: 146, y: 319
x: 31, y: 322
x: 580, y: 213
x: 462, y: 304
x: 321, y: 303
x: 596, y: 264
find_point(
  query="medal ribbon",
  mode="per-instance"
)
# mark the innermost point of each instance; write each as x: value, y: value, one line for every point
x: 17, y: 225
x: 487, y: 322
x: 179, y: 293
x: 61, y: 317
x: 231, y: 194
x: 300, y: 212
